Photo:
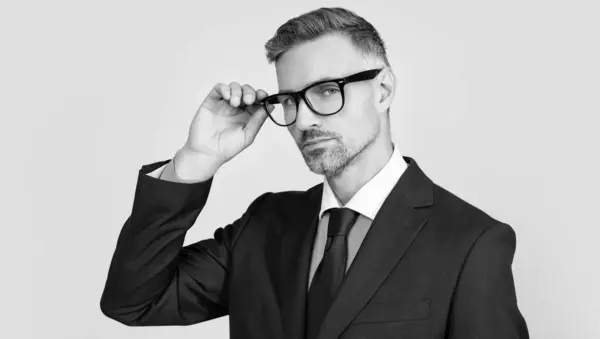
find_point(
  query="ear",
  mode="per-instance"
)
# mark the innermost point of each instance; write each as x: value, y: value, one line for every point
x: 386, y: 88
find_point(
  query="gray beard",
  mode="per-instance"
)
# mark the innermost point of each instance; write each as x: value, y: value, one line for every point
x: 332, y: 162
x: 327, y: 162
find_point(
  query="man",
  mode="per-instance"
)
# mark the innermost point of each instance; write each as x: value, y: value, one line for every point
x: 376, y: 251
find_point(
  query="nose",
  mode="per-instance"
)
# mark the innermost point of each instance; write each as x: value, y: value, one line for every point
x: 305, y: 118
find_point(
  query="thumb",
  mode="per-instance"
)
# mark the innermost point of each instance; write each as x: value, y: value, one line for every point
x: 254, y: 124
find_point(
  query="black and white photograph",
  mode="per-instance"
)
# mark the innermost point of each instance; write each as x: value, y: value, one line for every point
x: 301, y: 169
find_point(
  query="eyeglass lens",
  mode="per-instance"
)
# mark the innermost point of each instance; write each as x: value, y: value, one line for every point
x: 325, y: 98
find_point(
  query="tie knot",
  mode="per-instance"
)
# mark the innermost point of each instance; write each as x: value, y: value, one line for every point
x: 340, y: 221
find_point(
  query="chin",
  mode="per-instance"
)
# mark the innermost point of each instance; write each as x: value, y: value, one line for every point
x: 325, y: 162
x: 321, y: 169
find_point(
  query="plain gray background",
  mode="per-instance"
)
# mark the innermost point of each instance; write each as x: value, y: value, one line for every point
x: 497, y: 101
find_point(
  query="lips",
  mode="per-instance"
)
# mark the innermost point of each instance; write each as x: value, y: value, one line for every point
x: 314, y: 142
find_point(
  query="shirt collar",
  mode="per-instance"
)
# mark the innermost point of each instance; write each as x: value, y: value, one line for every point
x: 370, y: 197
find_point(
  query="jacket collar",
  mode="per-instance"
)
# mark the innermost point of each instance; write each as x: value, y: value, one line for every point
x: 400, y: 219
x: 369, y: 198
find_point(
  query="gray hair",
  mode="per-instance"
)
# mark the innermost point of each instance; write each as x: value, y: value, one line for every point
x: 322, y: 21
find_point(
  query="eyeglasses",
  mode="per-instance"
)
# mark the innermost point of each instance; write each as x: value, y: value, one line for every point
x: 323, y: 98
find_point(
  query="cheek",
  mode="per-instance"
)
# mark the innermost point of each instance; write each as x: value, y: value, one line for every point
x: 355, y: 127
x: 362, y: 116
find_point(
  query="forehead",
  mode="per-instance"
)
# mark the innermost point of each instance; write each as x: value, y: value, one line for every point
x: 330, y: 56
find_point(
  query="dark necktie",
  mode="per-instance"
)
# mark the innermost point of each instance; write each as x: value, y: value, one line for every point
x: 330, y: 273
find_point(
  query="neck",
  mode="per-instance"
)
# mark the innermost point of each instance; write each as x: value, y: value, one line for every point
x: 364, y: 167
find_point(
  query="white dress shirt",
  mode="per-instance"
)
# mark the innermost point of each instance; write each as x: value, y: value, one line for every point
x: 367, y: 202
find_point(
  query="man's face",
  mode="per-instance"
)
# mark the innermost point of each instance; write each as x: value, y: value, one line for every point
x: 353, y: 128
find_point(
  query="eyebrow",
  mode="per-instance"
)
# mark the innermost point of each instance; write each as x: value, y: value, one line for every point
x: 325, y: 78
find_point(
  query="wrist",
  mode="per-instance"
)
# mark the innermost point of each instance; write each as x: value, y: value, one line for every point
x: 192, y: 167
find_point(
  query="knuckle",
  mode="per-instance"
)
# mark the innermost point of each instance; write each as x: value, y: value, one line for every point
x: 249, y: 91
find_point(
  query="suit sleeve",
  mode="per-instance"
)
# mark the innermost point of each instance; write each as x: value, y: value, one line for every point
x: 153, y: 280
x: 485, y: 302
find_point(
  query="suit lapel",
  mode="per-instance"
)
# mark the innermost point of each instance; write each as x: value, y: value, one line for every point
x: 396, y: 225
x: 296, y: 250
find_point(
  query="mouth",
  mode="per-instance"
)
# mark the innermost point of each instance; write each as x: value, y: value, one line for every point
x: 315, y: 142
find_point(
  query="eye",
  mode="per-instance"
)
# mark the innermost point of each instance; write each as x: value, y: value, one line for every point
x: 330, y: 91
x: 289, y: 101
x: 285, y: 100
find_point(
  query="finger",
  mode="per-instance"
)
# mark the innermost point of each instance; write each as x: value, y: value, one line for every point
x: 248, y: 94
x: 261, y: 94
x: 220, y: 91
x: 258, y: 104
x: 254, y: 124
x: 236, y: 94
x: 270, y: 108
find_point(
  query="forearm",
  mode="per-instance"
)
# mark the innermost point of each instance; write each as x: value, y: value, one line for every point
x: 144, y: 261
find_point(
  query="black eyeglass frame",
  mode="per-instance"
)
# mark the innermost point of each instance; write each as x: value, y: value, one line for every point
x: 361, y: 76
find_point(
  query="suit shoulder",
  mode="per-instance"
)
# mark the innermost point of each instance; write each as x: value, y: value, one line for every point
x: 462, y: 214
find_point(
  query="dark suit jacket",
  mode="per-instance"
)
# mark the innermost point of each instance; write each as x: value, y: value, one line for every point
x: 431, y: 266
